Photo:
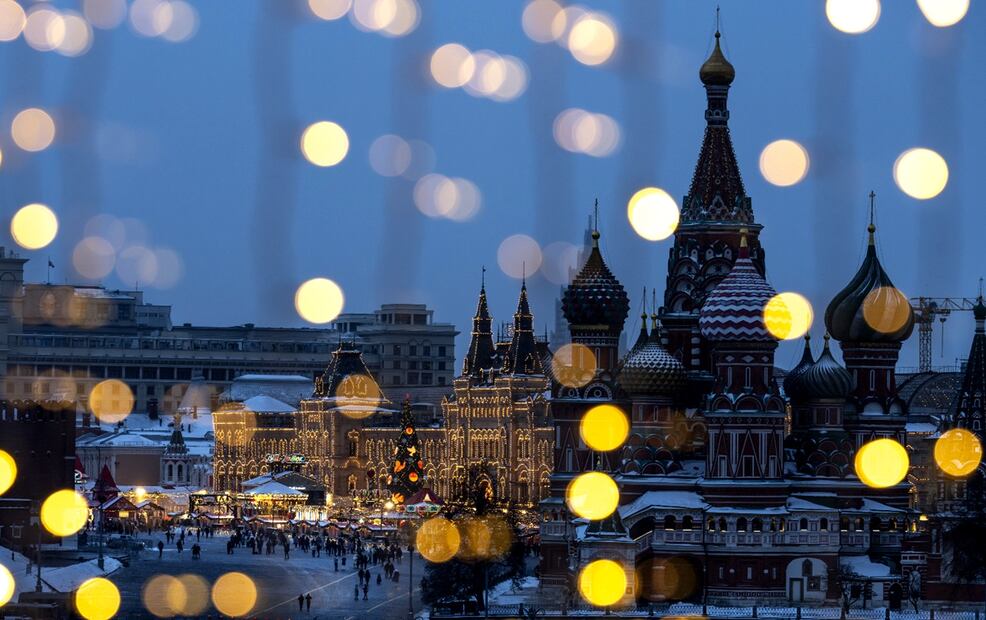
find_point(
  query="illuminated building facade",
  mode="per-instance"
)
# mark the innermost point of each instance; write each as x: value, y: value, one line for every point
x: 734, y: 488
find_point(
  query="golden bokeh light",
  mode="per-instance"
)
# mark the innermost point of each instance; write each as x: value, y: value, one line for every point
x: 602, y: 582
x: 64, y: 512
x: 111, y: 400
x: 653, y: 213
x: 944, y: 13
x: 788, y: 316
x: 921, y: 173
x: 93, y: 257
x: 452, y: 65
x: 12, y: 20
x: 34, y: 226
x: 105, y: 14
x: 564, y: 20
x: 33, y: 129
x: 358, y: 396
x: 483, y: 538
x: 330, y: 9
x: 519, y: 256
x: 8, y: 471
x: 234, y: 594
x: 592, y: 495
x: 44, y: 29
x: 958, y: 452
x: 852, y: 16
x: 784, y: 163
x: 324, y: 143
x: 592, y: 39
x: 164, y: 596
x: 97, y: 599
x: 604, y: 428
x: 573, y: 365
x: 537, y: 18
x: 882, y: 463
x: 886, y: 309
x: 390, y: 155
x: 437, y: 540
x: 319, y: 300
x: 7, y: 585
x: 196, y: 594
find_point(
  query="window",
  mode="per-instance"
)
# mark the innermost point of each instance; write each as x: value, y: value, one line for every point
x: 803, y: 525
x: 412, y: 378
x: 427, y: 352
x: 441, y: 380
x: 150, y: 390
x: 441, y: 351
x: 412, y: 350
x: 758, y: 524
x: 823, y: 524
x: 687, y: 524
x: 669, y: 522
x: 747, y: 378
x: 397, y: 349
x: 441, y: 365
x: 741, y: 524
x: 132, y: 372
x: 723, y: 526
x: 749, y: 573
x: 171, y: 471
x: 413, y: 365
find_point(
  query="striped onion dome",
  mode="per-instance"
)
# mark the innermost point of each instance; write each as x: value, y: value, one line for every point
x: 649, y: 369
x: 826, y: 378
x: 734, y: 310
x: 794, y: 381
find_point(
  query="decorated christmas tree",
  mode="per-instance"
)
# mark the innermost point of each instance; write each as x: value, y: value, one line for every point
x: 406, y: 473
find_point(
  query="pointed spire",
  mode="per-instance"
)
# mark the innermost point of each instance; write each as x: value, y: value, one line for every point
x: 872, y: 228
x: 595, y: 227
x: 481, y: 347
x: 522, y: 356
x: 642, y: 337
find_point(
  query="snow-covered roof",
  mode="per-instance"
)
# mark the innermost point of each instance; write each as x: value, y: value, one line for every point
x: 870, y: 505
x: 748, y: 510
x: 273, y: 488
x: 123, y: 439
x: 863, y: 566
x: 289, y: 389
x: 671, y: 500
x: 799, y: 503
x: 921, y: 428
x: 262, y: 403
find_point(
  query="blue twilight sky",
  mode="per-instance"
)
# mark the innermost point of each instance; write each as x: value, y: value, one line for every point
x: 198, y: 141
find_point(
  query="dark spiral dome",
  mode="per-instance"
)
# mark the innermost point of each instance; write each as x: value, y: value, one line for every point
x: 870, y: 309
x: 794, y: 381
x: 649, y: 369
x: 595, y: 296
x: 826, y: 378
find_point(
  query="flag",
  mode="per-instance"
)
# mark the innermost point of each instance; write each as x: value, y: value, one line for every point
x: 51, y: 264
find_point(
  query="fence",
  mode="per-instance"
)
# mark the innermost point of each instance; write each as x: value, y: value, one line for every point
x: 683, y: 611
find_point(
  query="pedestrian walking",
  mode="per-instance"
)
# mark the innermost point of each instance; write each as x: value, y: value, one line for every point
x: 308, y: 602
x: 160, y: 549
x: 301, y: 602
x: 379, y: 579
x: 366, y: 590
x: 356, y: 592
x: 336, y: 561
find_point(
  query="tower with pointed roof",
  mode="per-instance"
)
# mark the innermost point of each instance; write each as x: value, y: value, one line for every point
x: 482, y: 353
x: 969, y: 408
x: 713, y: 213
x: 522, y: 356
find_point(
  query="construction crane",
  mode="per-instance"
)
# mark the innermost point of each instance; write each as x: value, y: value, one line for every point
x: 926, y: 310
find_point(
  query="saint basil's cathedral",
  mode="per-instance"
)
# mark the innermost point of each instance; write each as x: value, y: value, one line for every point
x: 736, y: 486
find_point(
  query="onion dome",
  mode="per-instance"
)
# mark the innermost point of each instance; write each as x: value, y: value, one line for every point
x: 826, y: 378
x: 650, y: 369
x: 979, y: 311
x: 794, y: 381
x: 734, y: 309
x: 870, y: 308
x: 595, y: 296
x: 717, y: 71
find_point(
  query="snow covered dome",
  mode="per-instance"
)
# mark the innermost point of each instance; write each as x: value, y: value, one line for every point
x: 734, y: 309
x: 649, y: 368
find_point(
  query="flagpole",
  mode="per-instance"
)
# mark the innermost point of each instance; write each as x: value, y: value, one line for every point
x: 49, y: 270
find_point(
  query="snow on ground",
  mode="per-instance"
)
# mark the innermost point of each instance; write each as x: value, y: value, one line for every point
x: 504, y: 593
x: 60, y: 579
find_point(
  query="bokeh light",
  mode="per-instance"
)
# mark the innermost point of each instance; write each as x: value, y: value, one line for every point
x: 12, y: 20
x: 357, y: 396
x: 151, y: 18
x: 489, y: 74
x: 390, y: 155
x: 452, y: 65
x: 784, y: 162
x: 105, y: 14
x: 457, y: 199
x: 170, y: 268
x: 163, y: 596
x: 407, y: 16
x: 78, y: 35
x: 573, y: 365
x: 196, y: 595
x: 7, y: 585
x: 788, y: 316
x: 516, y: 76
x: 437, y: 540
x: 559, y: 260
x: 882, y: 463
x: 183, y: 24
x: 34, y: 226
x: 319, y: 300
x: 373, y: 15
x: 944, y: 13
x: 330, y: 9
x: 653, y: 213
x: 8, y: 471
x: 93, y: 258
x: 579, y: 131
x: 886, y: 309
x: 921, y: 173
x: 604, y: 428
x: 592, y: 495
x: 111, y: 400
x: 519, y: 256
x: 483, y: 538
x: 44, y: 29
x: 138, y: 265
x: 234, y: 594
x: 64, y: 512
x: 958, y: 452
x: 852, y: 16
x: 602, y: 582
x: 33, y: 129
x: 324, y: 143
x: 537, y: 19
x: 97, y: 599
x: 592, y: 39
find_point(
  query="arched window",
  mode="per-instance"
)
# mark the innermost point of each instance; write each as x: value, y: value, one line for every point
x: 669, y: 522
x: 893, y: 525
x: 872, y: 379
x: 747, y: 378
x: 687, y: 523
x: 806, y: 568
x: 712, y: 524
x: 860, y: 525
x: 803, y: 524
x: 757, y: 524
x: 180, y: 472
x: 773, y: 524
x: 844, y: 524
x: 875, y: 524
x: 823, y: 525
x: 741, y: 524
x: 171, y: 471
x: 723, y: 526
